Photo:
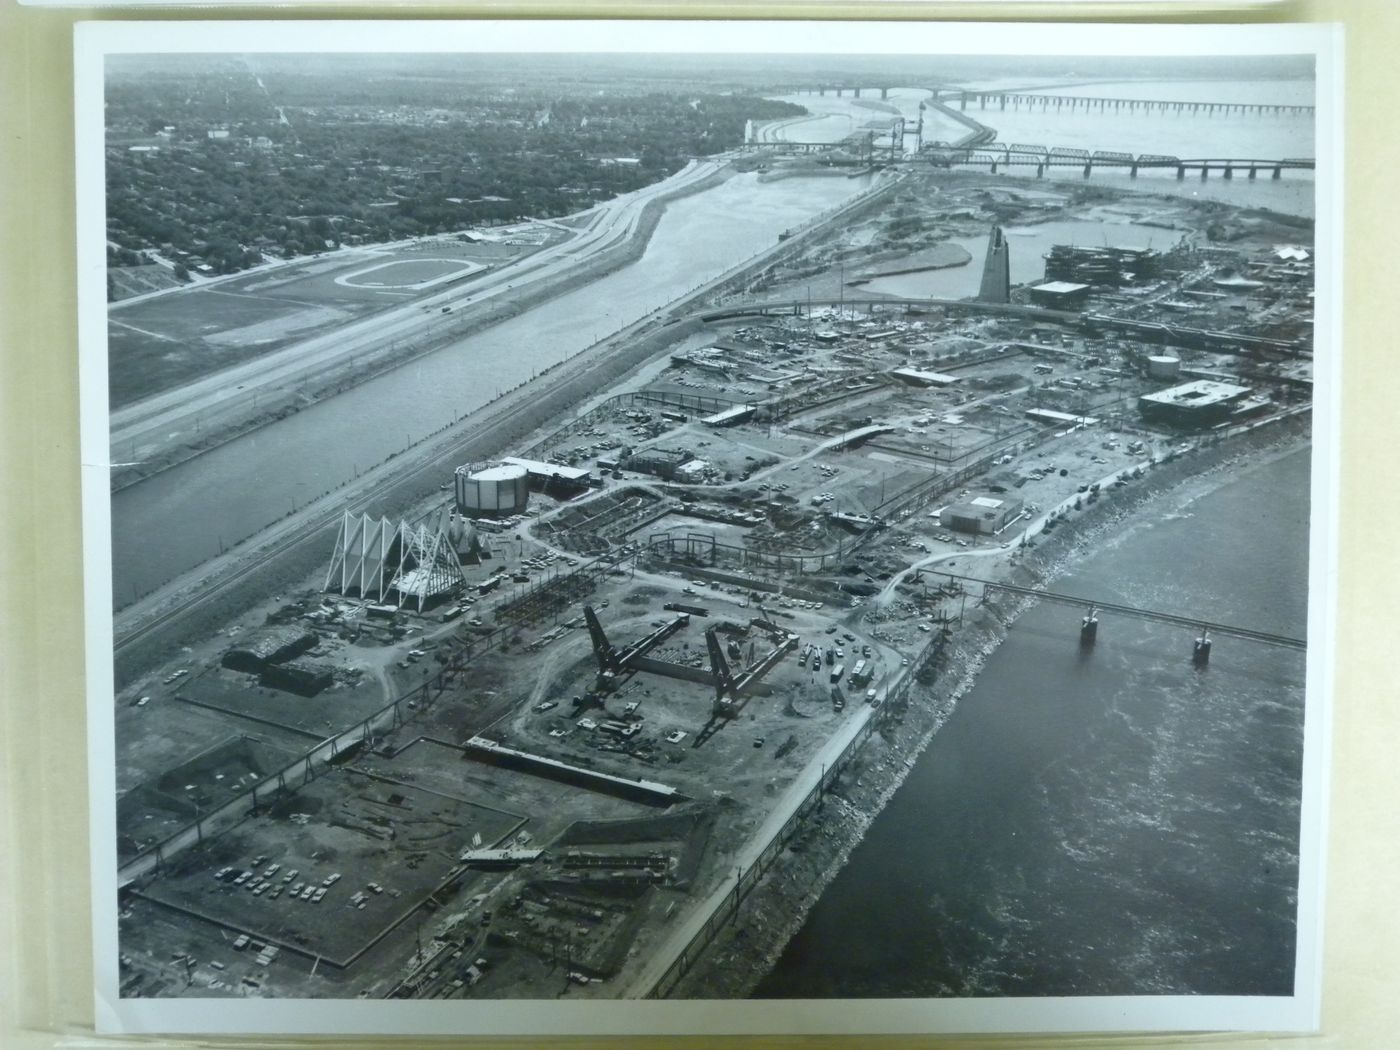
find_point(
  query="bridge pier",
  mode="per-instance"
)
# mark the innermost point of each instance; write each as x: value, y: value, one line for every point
x: 1088, y: 630
x: 1200, y: 651
x: 1229, y: 172
x: 884, y: 93
x: 1087, y: 169
x: 1253, y: 171
x: 1181, y: 171
x: 1132, y: 172
x: 1040, y: 171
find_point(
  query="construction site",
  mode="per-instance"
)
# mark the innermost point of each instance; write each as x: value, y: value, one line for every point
x: 541, y: 734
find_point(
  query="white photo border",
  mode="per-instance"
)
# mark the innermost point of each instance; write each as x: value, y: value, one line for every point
x: 1299, y: 1012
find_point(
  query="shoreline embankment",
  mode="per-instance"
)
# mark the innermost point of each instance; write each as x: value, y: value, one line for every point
x: 744, y: 951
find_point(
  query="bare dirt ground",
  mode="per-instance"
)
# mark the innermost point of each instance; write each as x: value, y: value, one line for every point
x: 792, y: 475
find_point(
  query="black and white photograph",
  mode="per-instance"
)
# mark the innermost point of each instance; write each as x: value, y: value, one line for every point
x: 711, y: 526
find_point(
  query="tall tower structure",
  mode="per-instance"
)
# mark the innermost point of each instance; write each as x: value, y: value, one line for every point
x: 996, y: 271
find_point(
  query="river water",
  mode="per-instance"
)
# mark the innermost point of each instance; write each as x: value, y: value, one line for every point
x: 1113, y: 822
x: 1180, y: 134
x: 1116, y: 823
x: 838, y: 117
x: 1109, y: 823
x: 1261, y: 136
x: 1028, y: 248
x: 232, y: 492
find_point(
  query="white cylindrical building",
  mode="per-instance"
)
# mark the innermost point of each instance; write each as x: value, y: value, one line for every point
x: 494, y: 492
x: 1163, y: 366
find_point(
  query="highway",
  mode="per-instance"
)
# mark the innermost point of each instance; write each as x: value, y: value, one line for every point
x: 144, y: 429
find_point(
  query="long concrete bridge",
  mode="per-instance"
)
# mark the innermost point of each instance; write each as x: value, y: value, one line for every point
x: 840, y: 90
x: 999, y: 156
x: 1104, y: 104
x: 1046, y: 103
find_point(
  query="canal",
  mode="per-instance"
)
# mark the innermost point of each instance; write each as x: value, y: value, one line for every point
x: 210, y: 503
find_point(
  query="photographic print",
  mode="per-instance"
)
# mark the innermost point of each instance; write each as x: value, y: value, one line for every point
x: 715, y: 526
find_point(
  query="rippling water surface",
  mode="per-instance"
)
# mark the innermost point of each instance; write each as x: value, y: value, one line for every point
x: 1113, y: 822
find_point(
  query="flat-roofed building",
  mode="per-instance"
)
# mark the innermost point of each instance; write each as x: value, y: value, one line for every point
x: 1056, y: 418
x: 1060, y: 295
x: 920, y: 377
x: 301, y: 676
x: 731, y: 416
x: 982, y: 514
x: 1201, y: 403
x: 660, y: 462
x: 552, y: 478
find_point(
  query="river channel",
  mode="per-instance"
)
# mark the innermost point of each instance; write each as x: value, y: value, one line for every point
x: 1262, y: 136
x: 1110, y: 822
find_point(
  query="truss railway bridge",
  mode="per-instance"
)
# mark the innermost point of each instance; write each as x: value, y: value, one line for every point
x: 997, y: 156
